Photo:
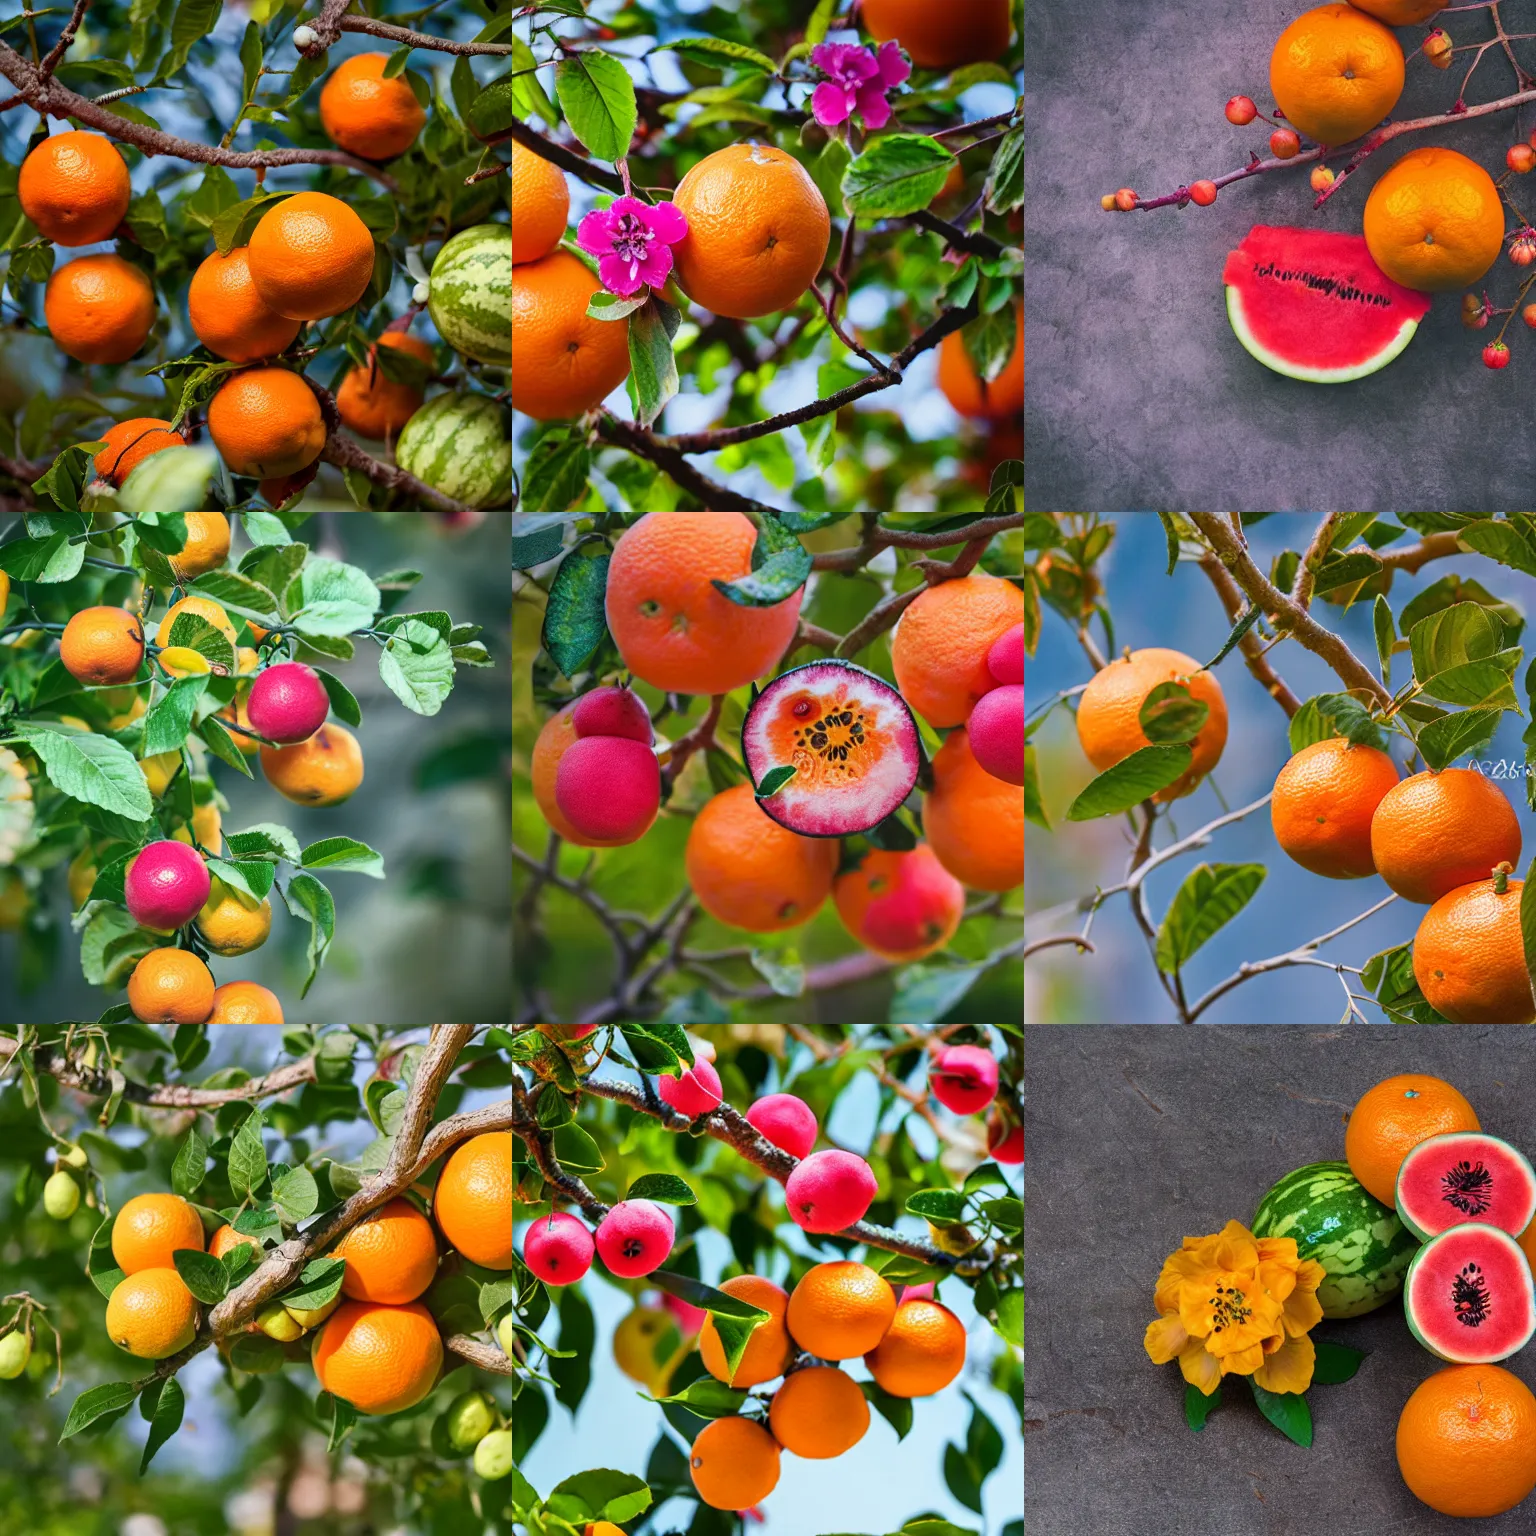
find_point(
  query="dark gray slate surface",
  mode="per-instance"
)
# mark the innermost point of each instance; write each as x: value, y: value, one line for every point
x: 1139, y: 1137
x: 1138, y: 394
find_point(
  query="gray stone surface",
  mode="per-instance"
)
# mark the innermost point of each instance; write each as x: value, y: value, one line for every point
x: 1138, y: 393
x: 1139, y: 1137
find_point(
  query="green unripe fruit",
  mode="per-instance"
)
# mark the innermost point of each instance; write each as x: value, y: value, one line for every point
x: 61, y: 1196
x: 468, y: 1421
x: 312, y: 1317
x: 76, y: 1157
x: 493, y: 1456
x: 274, y: 1321
x: 504, y: 1335
x: 15, y: 1351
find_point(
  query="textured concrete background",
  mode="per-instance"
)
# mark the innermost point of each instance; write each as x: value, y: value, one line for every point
x: 1139, y: 1137
x: 1138, y: 394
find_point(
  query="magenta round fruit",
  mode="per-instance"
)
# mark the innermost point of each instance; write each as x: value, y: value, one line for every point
x: 830, y: 1191
x: 696, y: 1092
x: 1468, y: 1295
x: 558, y: 1248
x: 789, y: 1123
x: 964, y: 1078
x: 996, y: 731
x: 1005, y: 1141
x: 1005, y: 661
x: 612, y: 712
x: 635, y: 1238
x: 608, y: 788
x: 1465, y: 1176
x: 850, y: 738
x: 166, y: 885
x: 288, y: 703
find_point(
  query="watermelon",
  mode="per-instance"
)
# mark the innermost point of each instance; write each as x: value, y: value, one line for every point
x: 470, y: 297
x: 1314, y: 305
x: 1335, y: 1220
x: 1468, y: 1295
x: 1465, y: 1176
x: 458, y: 444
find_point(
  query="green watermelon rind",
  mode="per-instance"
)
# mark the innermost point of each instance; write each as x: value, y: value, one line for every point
x: 1368, y: 1249
x: 1293, y: 370
x: 1417, y: 1328
x: 470, y: 293
x: 1513, y: 1152
x: 457, y: 444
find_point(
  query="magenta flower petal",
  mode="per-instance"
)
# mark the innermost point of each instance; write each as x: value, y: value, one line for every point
x: 873, y: 107
x: 829, y: 104
x: 893, y: 65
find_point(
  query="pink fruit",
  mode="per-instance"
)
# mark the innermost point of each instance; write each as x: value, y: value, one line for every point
x: 609, y: 788
x: 288, y: 703
x: 612, y: 712
x: 830, y: 1191
x: 964, y: 1079
x: 789, y: 1123
x: 1005, y: 661
x: 1005, y: 1140
x: 166, y: 886
x: 903, y: 906
x: 690, y: 1319
x: 558, y: 1249
x: 996, y: 730
x: 634, y: 1238
x: 696, y: 1092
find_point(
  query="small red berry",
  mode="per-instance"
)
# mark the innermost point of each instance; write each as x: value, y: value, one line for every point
x: 1125, y: 200
x: 1528, y: 314
x: 1284, y: 143
x: 1322, y: 178
x: 1522, y: 249
x: 1474, y: 313
x: 1203, y: 193
x: 1437, y: 49
x: 1520, y: 158
x: 1241, y: 110
x: 1496, y: 355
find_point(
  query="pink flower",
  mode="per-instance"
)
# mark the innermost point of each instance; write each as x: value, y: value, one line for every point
x: 857, y: 82
x: 633, y: 243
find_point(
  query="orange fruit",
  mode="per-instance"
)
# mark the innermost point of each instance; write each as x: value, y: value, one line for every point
x: 735, y: 1464
x: 541, y: 205
x: 939, y: 650
x: 311, y: 257
x: 1466, y: 1440
x: 819, y: 1413
x: 381, y: 1359
x: 939, y: 36
x: 244, y: 1002
x: 1434, y: 221
x: 750, y: 872
x: 768, y: 1350
x: 375, y: 406
x: 921, y: 1353
x: 964, y: 388
x: 366, y: 114
x: 281, y: 489
x: 129, y: 443
x: 564, y: 364
x: 226, y: 1240
x: 226, y: 924
x: 1435, y: 831
x: 99, y: 309
x: 171, y: 986
x: 1322, y: 806
x: 150, y: 1229
x: 102, y: 646
x: 758, y: 230
x: 204, y: 608
x: 1108, y: 712
x: 74, y: 187
x: 1469, y: 956
x: 325, y: 770
x: 152, y: 1314
x: 903, y: 906
x: 973, y: 821
x: 1391, y: 1119
x: 206, y: 547
x: 1336, y: 73
x: 230, y: 317
x: 674, y: 629
x: 1400, y: 13
x: 391, y: 1254
x: 840, y: 1310
x: 556, y: 736
x: 473, y: 1200
x: 266, y: 421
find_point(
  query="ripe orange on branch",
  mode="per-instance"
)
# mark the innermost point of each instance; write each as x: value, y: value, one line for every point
x: 1469, y: 956
x: 266, y: 421
x: 74, y: 187
x: 974, y: 821
x: 230, y: 317
x: 391, y: 1254
x: 1323, y: 802
x: 769, y: 1348
x: 150, y: 1228
x: 323, y: 771
x: 377, y: 407
x: 1436, y: 831
x: 102, y: 646
x: 381, y: 1359
x: 564, y: 363
x: 1001, y: 399
x: 819, y: 1413
x: 473, y: 1200
x: 152, y: 1314
x: 245, y: 1002
x: 541, y: 205
x: 99, y: 309
x: 206, y: 547
x: 311, y: 257
x: 840, y: 1309
x: 365, y: 113
x: 171, y: 986
x: 130, y: 442
x: 939, y: 650
x: 735, y: 1463
x: 921, y: 1353
x: 939, y: 36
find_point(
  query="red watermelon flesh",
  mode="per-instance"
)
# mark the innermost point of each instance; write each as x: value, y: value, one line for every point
x: 1468, y: 1295
x: 1314, y: 305
x: 1465, y: 1176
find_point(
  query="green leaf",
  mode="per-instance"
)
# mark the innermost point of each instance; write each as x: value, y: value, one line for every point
x: 1198, y: 1407
x: 1335, y: 1362
x: 598, y: 98
x: 1287, y: 1411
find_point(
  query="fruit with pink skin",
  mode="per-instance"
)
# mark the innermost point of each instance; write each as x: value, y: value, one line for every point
x: 996, y: 731
x: 609, y: 788
x: 696, y: 1092
x: 789, y: 1123
x: 1005, y: 661
x: 1005, y: 1138
x: 166, y: 885
x: 634, y: 1238
x: 558, y: 1249
x: 903, y: 906
x: 288, y: 703
x: 830, y: 1191
x: 964, y: 1079
x: 690, y: 1319
x: 612, y: 712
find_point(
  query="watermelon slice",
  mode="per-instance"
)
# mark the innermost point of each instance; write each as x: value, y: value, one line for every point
x: 1463, y: 1176
x: 1468, y: 1295
x: 1314, y: 305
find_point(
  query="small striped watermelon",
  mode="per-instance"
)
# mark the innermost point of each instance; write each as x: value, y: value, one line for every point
x: 458, y: 444
x: 470, y: 297
x: 1335, y: 1220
